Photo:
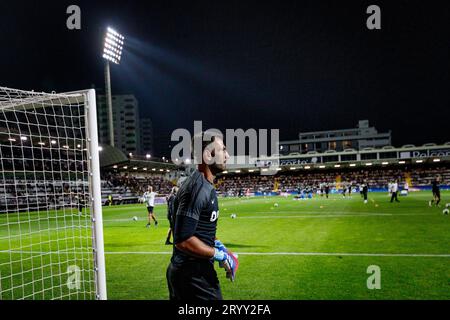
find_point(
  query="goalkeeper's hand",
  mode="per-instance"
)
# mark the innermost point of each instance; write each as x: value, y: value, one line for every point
x: 219, y: 245
x: 231, y: 265
x: 228, y: 261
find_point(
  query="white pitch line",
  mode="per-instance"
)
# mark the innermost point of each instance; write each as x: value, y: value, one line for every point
x: 272, y: 217
x: 275, y: 215
x: 342, y: 254
x: 321, y: 215
x: 419, y: 255
x: 122, y: 220
x: 318, y: 216
x: 325, y: 211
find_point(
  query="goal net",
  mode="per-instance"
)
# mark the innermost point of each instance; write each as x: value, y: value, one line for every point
x: 51, y: 241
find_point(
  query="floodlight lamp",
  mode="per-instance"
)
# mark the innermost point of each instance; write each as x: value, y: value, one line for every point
x: 112, y: 50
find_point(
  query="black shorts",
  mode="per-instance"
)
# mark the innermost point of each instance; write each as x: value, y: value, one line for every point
x: 196, y: 280
x: 150, y: 209
x: 437, y: 193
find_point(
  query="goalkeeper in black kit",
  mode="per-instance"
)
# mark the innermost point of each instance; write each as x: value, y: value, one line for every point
x: 436, y: 192
x: 191, y: 274
x: 170, y: 201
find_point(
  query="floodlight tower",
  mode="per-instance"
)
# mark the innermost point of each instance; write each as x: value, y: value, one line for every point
x: 112, y: 52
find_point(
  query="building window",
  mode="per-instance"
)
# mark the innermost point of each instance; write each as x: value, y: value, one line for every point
x: 332, y: 145
x: 294, y: 147
x: 368, y: 156
x: 346, y: 144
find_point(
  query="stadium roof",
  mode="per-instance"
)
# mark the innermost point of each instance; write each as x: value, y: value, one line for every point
x: 110, y: 156
x: 406, y: 155
x: 114, y: 158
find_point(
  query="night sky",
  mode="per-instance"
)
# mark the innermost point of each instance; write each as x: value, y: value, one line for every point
x: 296, y: 66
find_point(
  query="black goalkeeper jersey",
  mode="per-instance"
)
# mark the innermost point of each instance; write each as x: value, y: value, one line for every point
x: 196, y: 212
x: 435, y: 186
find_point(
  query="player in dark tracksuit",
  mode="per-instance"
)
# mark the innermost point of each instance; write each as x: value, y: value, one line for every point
x: 170, y: 213
x: 81, y: 203
x: 191, y: 274
x: 436, y: 191
x: 327, y: 189
x: 364, y: 191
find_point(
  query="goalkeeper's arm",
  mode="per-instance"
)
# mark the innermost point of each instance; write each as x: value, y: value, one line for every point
x: 196, y: 248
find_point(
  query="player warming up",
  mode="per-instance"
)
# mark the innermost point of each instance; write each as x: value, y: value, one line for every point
x: 394, y: 191
x: 364, y: 191
x: 327, y: 189
x: 435, y: 189
x: 191, y: 274
x: 149, y: 199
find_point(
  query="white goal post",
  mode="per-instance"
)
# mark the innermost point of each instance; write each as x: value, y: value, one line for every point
x: 51, y: 227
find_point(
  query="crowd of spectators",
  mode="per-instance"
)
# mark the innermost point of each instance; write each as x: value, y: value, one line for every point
x: 137, y: 183
x: 293, y: 181
x: 35, y: 194
x: 32, y: 195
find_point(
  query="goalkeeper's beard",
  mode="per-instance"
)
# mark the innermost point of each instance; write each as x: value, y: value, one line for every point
x: 216, y: 168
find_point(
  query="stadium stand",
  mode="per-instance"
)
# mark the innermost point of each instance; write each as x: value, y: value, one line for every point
x: 47, y: 195
x: 291, y: 181
x: 44, y: 195
x: 129, y: 188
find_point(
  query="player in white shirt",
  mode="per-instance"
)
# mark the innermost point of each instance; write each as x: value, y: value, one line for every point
x: 149, y: 200
x: 394, y: 191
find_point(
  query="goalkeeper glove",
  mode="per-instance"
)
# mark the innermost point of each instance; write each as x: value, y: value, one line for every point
x: 231, y: 265
x: 219, y: 245
x: 227, y: 260
x: 220, y: 255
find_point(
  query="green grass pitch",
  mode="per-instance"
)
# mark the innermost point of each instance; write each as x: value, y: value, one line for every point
x: 308, y: 249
